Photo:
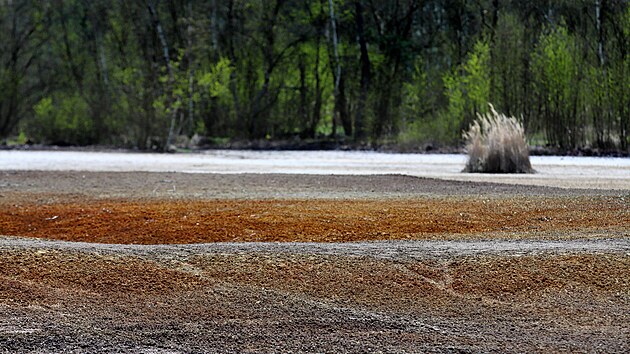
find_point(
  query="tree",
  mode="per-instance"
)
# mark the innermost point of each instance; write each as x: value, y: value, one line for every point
x: 21, y: 39
x: 557, y: 83
x: 144, y: 73
x: 468, y: 88
x: 366, y: 71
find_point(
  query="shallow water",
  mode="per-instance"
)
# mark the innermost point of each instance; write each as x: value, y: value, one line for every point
x: 558, y: 171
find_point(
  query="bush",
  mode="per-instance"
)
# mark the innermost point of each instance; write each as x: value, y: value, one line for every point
x: 496, y: 144
x: 62, y: 120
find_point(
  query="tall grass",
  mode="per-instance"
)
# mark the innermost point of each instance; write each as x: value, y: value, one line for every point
x: 496, y: 144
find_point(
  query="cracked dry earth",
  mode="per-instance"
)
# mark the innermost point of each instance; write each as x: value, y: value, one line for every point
x: 168, y: 262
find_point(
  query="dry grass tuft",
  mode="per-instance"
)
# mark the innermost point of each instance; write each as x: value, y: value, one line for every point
x: 496, y: 144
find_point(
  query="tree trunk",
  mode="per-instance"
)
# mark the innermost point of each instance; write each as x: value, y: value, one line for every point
x: 67, y: 47
x: 366, y: 73
x: 344, y: 117
x: 600, y: 31
x: 337, y: 72
x: 240, y: 117
x: 317, y: 108
x: 259, y: 111
x: 171, y: 75
x: 302, y: 109
x: 191, y: 73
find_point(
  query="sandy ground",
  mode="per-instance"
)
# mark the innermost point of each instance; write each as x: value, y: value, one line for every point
x: 419, y: 265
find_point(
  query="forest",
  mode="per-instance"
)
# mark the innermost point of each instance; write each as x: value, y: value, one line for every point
x: 151, y: 74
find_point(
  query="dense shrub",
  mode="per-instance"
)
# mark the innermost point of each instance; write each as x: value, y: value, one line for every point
x: 496, y: 144
x: 62, y: 120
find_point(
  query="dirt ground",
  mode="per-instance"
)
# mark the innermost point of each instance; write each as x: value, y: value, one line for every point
x: 173, y: 262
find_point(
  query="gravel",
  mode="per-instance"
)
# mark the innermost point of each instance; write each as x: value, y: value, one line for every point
x: 567, y: 290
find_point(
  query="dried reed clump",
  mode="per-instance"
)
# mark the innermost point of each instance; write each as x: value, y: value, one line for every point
x: 496, y: 144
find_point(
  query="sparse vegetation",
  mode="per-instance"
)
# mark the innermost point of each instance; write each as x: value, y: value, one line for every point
x: 496, y: 144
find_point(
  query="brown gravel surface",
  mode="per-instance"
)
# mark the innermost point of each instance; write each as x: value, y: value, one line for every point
x: 488, y: 267
x: 185, y: 221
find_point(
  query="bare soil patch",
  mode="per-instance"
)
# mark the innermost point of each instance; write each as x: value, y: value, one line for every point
x: 142, y: 283
x: 261, y: 302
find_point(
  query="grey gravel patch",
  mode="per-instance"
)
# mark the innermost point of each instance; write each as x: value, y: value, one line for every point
x: 398, y: 250
x: 130, y: 185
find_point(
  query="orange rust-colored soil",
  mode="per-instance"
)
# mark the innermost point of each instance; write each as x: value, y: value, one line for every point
x: 194, y: 221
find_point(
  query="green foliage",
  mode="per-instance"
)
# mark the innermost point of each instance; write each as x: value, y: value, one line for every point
x: 419, y: 98
x: 21, y: 138
x: 215, y: 82
x: 200, y: 127
x: 424, y: 119
x: 95, y: 71
x: 476, y: 79
x: 555, y: 66
x: 509, y: 66
x: 557, y: 82
x: 434, y: 131
x: 454, y: 86
x: 185, y: 84
x: 62, y: 120
x: 467, y: 89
